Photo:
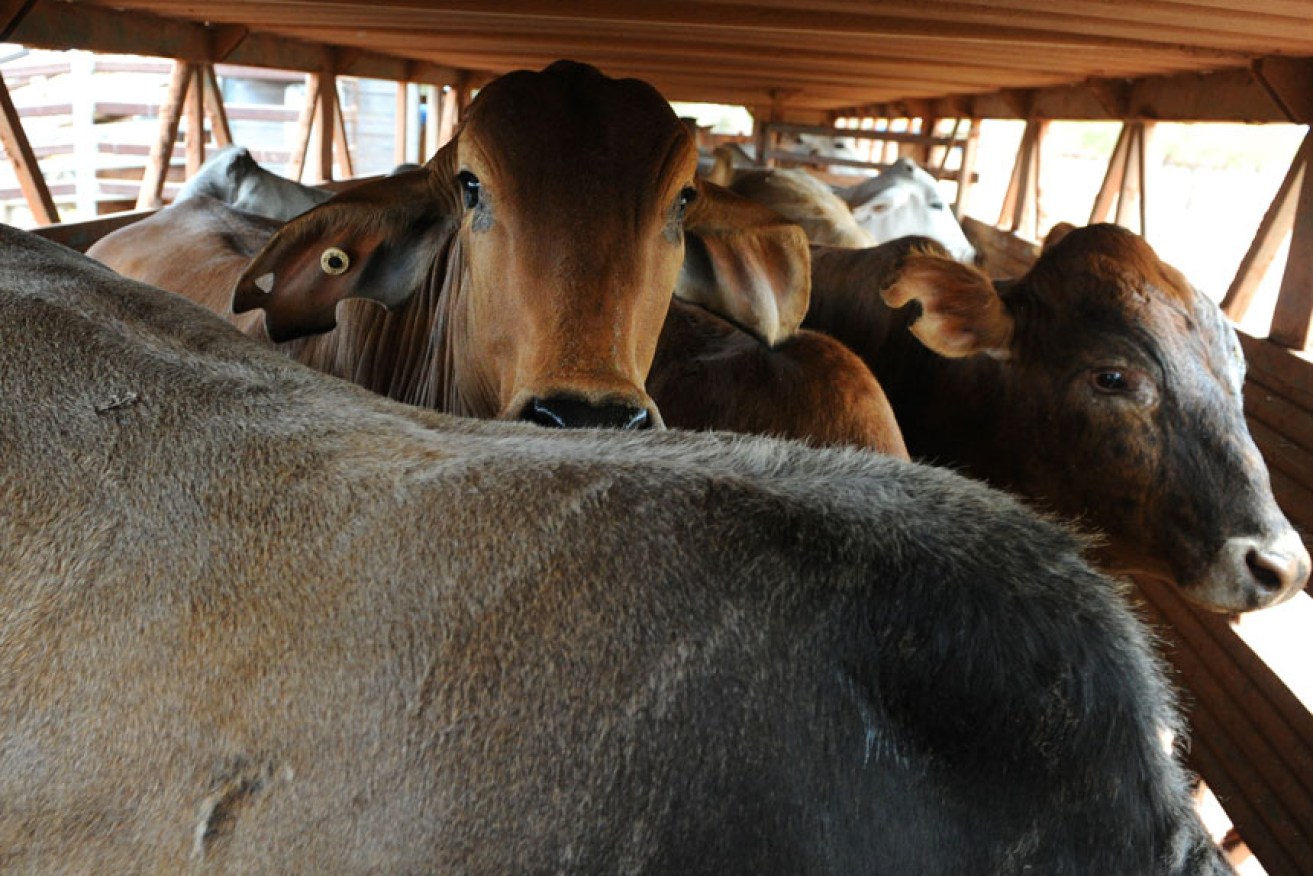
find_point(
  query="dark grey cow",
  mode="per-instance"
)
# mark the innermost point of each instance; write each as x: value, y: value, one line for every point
x: 258, y: 620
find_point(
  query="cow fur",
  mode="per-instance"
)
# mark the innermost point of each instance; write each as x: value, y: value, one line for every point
x: 257, y: 620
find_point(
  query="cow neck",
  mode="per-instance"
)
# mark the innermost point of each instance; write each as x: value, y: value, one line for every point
x: 943, y: 406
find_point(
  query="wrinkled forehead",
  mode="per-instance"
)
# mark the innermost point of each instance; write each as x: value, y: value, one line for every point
x: 1111, y: 272
x: 571, y: 125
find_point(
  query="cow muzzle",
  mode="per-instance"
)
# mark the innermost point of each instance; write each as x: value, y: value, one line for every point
x: 567, y: 412
x: 1257, y: 571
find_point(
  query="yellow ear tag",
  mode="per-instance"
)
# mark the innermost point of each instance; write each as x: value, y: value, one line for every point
x: 334, y: 261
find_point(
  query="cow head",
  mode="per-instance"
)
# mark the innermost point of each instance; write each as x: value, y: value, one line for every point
x: 903, y: 201
x: 1123, y: 400
x: 548, y: 236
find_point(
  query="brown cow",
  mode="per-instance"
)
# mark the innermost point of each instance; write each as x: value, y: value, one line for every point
x: 541, y: 297
x: 1101, y: 383
x: 256, y: 620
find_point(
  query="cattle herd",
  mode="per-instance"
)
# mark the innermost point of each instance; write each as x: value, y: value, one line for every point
x: 316, y: 592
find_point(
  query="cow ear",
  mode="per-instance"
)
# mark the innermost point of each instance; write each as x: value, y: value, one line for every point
x: 379, y: 241
x: 1056, y: 233
x: 746, y: 263
x: 961, y: 312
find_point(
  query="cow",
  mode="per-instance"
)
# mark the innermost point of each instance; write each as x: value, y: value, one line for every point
x: 257, y: 620
x: 802, y: 198
x: 234, y: 177
x: 503, y: 305
x: 905, y: 200
x: 1101, y: 384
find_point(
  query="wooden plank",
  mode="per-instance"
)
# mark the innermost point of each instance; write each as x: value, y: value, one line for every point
x: 1280, y: 369
x: 967, y: 173
x: 327, y: 124
x: 401, y: 119
x: 195, y: 133
x: 11, y: 13
x: 341, y: 146
x: 80, y: 235
x: 304, y: 126
x: 1292, y: 320
x: 24, y: 162
x: 1272, y: 230
x: 215, y: 111
x: 1112, y: 177
x: 1281, y: 453
x: 450, y: 117
x: 1262, y: 734
x: 152, y: 184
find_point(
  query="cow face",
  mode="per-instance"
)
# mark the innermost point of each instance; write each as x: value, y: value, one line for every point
x: 548, y: 236
x: 1122, y: 397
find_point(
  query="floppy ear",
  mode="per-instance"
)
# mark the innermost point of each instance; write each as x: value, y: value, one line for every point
x: 379, y: 240
x: 961, y: 312
x: 746, y: 263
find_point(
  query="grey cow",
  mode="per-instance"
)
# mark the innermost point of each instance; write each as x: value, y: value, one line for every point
x: 254, y: 619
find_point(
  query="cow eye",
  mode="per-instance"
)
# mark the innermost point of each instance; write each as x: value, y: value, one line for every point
x: 1110, y: 380
x: 687, y: 195
x: 469, y: 187
x: 936, y: 205
x: 334, y: 261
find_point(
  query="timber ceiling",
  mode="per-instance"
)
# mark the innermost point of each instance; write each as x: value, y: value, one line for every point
x: 803, y: 60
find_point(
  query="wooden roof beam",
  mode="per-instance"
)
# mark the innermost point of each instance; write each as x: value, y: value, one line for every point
x: 112, y: 31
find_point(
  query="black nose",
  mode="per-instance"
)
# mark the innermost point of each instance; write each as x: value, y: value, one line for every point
x: 562, y: 412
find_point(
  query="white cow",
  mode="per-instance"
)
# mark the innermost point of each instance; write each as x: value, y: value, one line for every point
x: 905, y: 200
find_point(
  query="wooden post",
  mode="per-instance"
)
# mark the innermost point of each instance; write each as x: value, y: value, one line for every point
x: 413, y: 129
x: 214, y: 109
x: 341, y: 147
x: 161, y: 152
x: 450, y: 117
x: 82, y: 67
x: 1132, y: 194
x: 304, y: 125
x: 195, y: 134
x: 1021, y: 202
x: 399, y: 130
x: 966, y: 175
x: 1112, y: 178
x: 1125, y: 180
x: 432, y: 120
x: 1292, y: 321
x: 325, y: 130
x: 23, y: 159
x: 1272, y: 231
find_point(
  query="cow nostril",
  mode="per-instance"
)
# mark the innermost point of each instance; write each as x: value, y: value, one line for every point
x: 1272, y: 572
x: 561, y: 412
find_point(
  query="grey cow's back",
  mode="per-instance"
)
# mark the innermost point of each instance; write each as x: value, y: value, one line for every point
x: 257, y: 620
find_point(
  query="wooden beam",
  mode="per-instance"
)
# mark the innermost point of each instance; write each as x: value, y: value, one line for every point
x: 1112, y: 178
x: 26, y: 168
x: 195, y: 134
x: 1021, y: 202
x: 401, y: 120
x: 1131, y: 194
x: 11, y: 13
x: 432, y: 119
x: 52, y: 25
x: 304, y: 126
x: 1277, y: 223
x: 341, y: 146
x: 1289, y: 82
x: 214, y: 109
x: 966, y: 179
x: 325, y: 130
x: 1293, y: 318
x: 450, y: 117
x: 161, y: 152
